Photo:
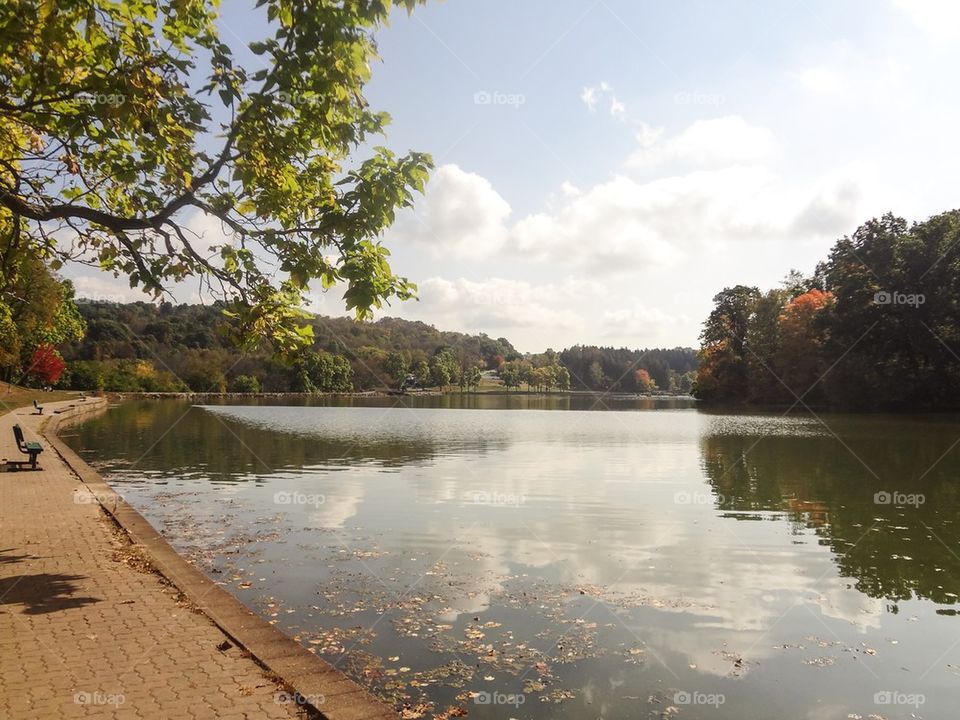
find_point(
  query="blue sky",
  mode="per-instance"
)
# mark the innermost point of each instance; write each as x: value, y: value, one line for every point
x: 604, y: 168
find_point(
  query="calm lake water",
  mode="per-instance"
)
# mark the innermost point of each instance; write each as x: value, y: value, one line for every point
x: 563, y: 558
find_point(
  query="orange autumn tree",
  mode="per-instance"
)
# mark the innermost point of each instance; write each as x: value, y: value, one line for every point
x: 643, y: 381
x: 801, y: 342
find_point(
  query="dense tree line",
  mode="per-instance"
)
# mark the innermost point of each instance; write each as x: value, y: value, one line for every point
x: 170, y: 348
x: 539, y: 373
x: 173, y: 348
x: 876, y: 327
x: 624, y: 370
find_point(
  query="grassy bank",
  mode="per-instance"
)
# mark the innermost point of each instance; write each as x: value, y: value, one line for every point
x: 14, y: 396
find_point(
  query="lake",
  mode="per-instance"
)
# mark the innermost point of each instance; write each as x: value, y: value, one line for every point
x: 575, y: 557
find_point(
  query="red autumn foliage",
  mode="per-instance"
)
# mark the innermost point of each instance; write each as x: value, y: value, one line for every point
x: 643, y: 380
x: 46, y: 365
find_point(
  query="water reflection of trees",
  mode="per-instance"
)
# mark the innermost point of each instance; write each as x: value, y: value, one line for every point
x: 175, y: 439
x: 893, y: 552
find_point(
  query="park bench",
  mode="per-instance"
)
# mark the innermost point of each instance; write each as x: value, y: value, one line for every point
x: 32, y: 449
x: 39, y: 408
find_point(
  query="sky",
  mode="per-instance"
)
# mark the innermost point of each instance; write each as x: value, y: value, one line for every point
x: 605, y: 167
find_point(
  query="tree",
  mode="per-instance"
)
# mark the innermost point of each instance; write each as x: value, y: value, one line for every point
x: 108, y: 151
x: 474, y: 376
x: 724, y: 368
x: 799, y: 355
x: 36, y: 308
x: 87, y: 375
x: 596, y: 376
x: 46, y: 365
x: 444, y: 368
x: 645, y: 383
x: 686, y: 382
x: 515, y: 372
x: 323, y: 372
x: 245, y: 384
x: 9, y: 338
x: 421, y: 371
x: 439, y: 375
x: 561, y: 377
x: 892, y: 332
x: 763, y: 343
x: 397, y: 365
x: 876, y: 327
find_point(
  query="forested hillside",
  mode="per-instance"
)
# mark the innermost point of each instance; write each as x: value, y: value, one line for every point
x: 140, y: 346
x: 169, y: 348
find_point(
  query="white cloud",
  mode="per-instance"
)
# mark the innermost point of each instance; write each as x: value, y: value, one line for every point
x: 460, y: 213
x: 498, y: 305
x: 833, y: 208
x: 723, y: 193
x: 639, y: 323
x: 104, y: 287
x: 617, y: 109
x: 627, y: 225
x: 206, y: 232
x: 609, y: 227
x: 821, y: 79
x: 622, y: 224
x: 591, y: 97
x: 938, y: 18
x: 706, y: 143
x: 844, y: 72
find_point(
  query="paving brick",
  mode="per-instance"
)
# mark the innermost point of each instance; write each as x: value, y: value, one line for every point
x: 72, y: 644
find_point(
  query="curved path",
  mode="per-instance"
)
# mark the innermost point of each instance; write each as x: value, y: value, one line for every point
x: 99, y: 617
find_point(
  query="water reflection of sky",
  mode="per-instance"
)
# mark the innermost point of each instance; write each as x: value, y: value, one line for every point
x: 699, y: 534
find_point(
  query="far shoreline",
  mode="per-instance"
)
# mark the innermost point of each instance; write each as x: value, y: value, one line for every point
x: 384, y: 393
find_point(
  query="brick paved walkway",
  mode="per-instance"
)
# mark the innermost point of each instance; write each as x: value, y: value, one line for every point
x: 84, y: 632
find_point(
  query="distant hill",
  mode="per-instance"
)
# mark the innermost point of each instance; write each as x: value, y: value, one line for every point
x: 186, y: 349
x: 155, y: 348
